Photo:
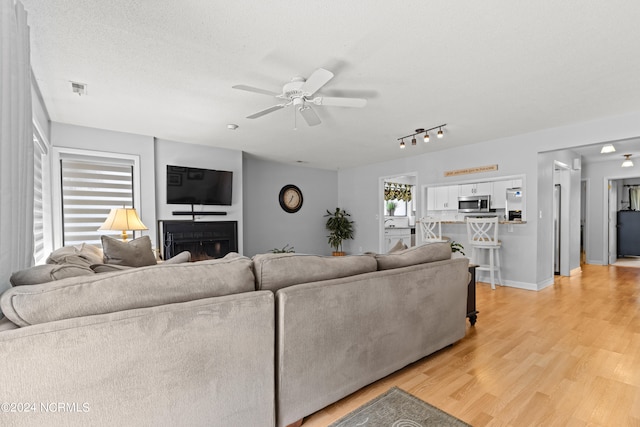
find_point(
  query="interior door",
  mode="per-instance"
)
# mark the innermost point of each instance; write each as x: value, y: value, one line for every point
x: 613, y: 222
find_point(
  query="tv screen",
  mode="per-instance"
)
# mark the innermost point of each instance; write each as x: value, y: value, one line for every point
x: 193, y: 186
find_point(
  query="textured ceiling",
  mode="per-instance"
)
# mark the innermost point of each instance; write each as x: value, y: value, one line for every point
x: 489, y: 69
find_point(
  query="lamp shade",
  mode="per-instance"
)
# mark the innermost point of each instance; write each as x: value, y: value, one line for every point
x: 123, y: 219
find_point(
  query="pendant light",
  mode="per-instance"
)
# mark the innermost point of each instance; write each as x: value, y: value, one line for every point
x: 627, y: 161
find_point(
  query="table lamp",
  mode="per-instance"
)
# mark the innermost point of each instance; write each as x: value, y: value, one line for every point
x: 123, y: 219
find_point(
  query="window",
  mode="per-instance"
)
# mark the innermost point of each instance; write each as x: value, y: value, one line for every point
x: 41, y: 200
x: 91, y: 184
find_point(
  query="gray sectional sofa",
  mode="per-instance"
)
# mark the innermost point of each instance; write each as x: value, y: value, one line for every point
x: 230, y: 342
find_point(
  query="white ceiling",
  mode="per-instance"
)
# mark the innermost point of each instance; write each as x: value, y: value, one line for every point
x: 488, y: 69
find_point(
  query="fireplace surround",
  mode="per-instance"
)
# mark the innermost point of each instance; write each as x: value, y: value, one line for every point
x: 204, y: 239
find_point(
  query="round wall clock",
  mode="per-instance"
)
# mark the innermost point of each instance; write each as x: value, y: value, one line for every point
x: 290, y: 198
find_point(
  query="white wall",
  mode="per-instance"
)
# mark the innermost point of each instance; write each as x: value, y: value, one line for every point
x: 525, y: 251
x: 204, y: 157
x: 267, y: 226
x: 598, y: 174
x: 71, y: 136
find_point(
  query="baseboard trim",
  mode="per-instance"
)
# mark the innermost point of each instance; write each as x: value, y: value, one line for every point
x: 575, y: 271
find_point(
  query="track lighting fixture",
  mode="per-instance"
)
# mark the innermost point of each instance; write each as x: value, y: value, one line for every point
x: 419, y: 131
x: 627, y: 161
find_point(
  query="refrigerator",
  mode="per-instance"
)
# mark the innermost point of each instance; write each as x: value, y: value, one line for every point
x: 628, y: 233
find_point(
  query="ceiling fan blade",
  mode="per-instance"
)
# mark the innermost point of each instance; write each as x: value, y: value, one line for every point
x: 255, y: 89
x: 316, y: 80
x: 309, y: 116
x: 340, y: 102
x: 266, y: 111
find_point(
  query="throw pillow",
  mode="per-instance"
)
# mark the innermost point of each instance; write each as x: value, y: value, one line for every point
x: 184, y: 256
x: 84, y: 253
x: 134, y: 253
x: 399, y: 246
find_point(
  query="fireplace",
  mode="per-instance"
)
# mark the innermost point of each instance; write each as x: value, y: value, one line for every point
x: 204, y: 239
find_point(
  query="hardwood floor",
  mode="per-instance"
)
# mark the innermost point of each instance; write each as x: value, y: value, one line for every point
x: 568, y: 355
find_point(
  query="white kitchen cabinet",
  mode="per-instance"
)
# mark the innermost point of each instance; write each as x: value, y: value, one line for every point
x: 499, y: 194
x: 443, y: 198
x: 475, y: 189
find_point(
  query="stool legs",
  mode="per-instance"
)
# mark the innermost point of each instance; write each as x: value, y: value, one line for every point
x: 494, y: 263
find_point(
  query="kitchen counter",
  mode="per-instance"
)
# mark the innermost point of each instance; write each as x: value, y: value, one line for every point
x: 499, y: 222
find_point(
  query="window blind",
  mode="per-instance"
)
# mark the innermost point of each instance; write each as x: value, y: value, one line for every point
x: 90, y: 189
x: 39, y: 200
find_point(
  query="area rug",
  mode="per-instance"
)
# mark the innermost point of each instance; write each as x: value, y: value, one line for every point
x: 397, y: 408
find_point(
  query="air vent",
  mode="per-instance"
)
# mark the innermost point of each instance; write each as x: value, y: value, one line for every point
x: 79, y: 88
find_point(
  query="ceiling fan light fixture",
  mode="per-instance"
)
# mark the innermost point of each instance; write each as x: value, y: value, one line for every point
x: 627, y: 161
x: 607, y: 148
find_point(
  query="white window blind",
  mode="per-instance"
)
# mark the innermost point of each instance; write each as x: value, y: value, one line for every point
x: 90, y: 189
x: 41, y: 237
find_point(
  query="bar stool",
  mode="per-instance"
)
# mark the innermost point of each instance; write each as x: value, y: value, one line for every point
x: 428, y: 226
x: 483, y: 236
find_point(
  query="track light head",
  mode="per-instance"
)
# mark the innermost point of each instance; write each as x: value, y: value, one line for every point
x: 440, y: 134
x: 402, y: 144
x: 426, y: 137
x: 413, y: 141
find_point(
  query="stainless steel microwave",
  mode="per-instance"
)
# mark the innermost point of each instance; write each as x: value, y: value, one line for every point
x: 470, y: 204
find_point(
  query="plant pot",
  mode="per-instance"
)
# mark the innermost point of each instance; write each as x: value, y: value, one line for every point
x: 338, y: 253
x: 391, y: 212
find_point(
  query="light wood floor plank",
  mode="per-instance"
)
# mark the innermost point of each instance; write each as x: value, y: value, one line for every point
x: 568, y: 355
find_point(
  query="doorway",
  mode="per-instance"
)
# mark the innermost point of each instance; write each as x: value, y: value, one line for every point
x: 561, y: 226
x: 398, y: 223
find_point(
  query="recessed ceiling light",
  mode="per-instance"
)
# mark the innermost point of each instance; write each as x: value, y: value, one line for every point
x: 232, y: 126
x: 608, y: 148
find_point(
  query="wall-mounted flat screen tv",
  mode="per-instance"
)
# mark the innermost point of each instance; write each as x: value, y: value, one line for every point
x: 193, y: 186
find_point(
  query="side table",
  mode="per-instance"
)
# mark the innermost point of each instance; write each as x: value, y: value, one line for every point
x: 472, y: 313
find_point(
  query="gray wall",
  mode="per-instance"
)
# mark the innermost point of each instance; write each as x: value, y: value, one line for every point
x: 205, y: 157
x: 267, y: 226
x: 526, y: 250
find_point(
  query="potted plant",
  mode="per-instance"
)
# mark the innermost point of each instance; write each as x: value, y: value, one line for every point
x: 340, y: 228
x: 457, y: 250
x: 391, y: 207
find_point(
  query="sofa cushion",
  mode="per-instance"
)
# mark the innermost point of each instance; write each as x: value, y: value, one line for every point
x: 49, y: 272
x: 428, y: 252
x: 134, y: 253
x: 275, y: 271
x: 84, y: 253
x: 6, y: 324
x: 109, y: 268
x: 128, y: 289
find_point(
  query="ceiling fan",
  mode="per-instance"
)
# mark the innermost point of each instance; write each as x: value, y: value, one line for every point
x: 300, y: 93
